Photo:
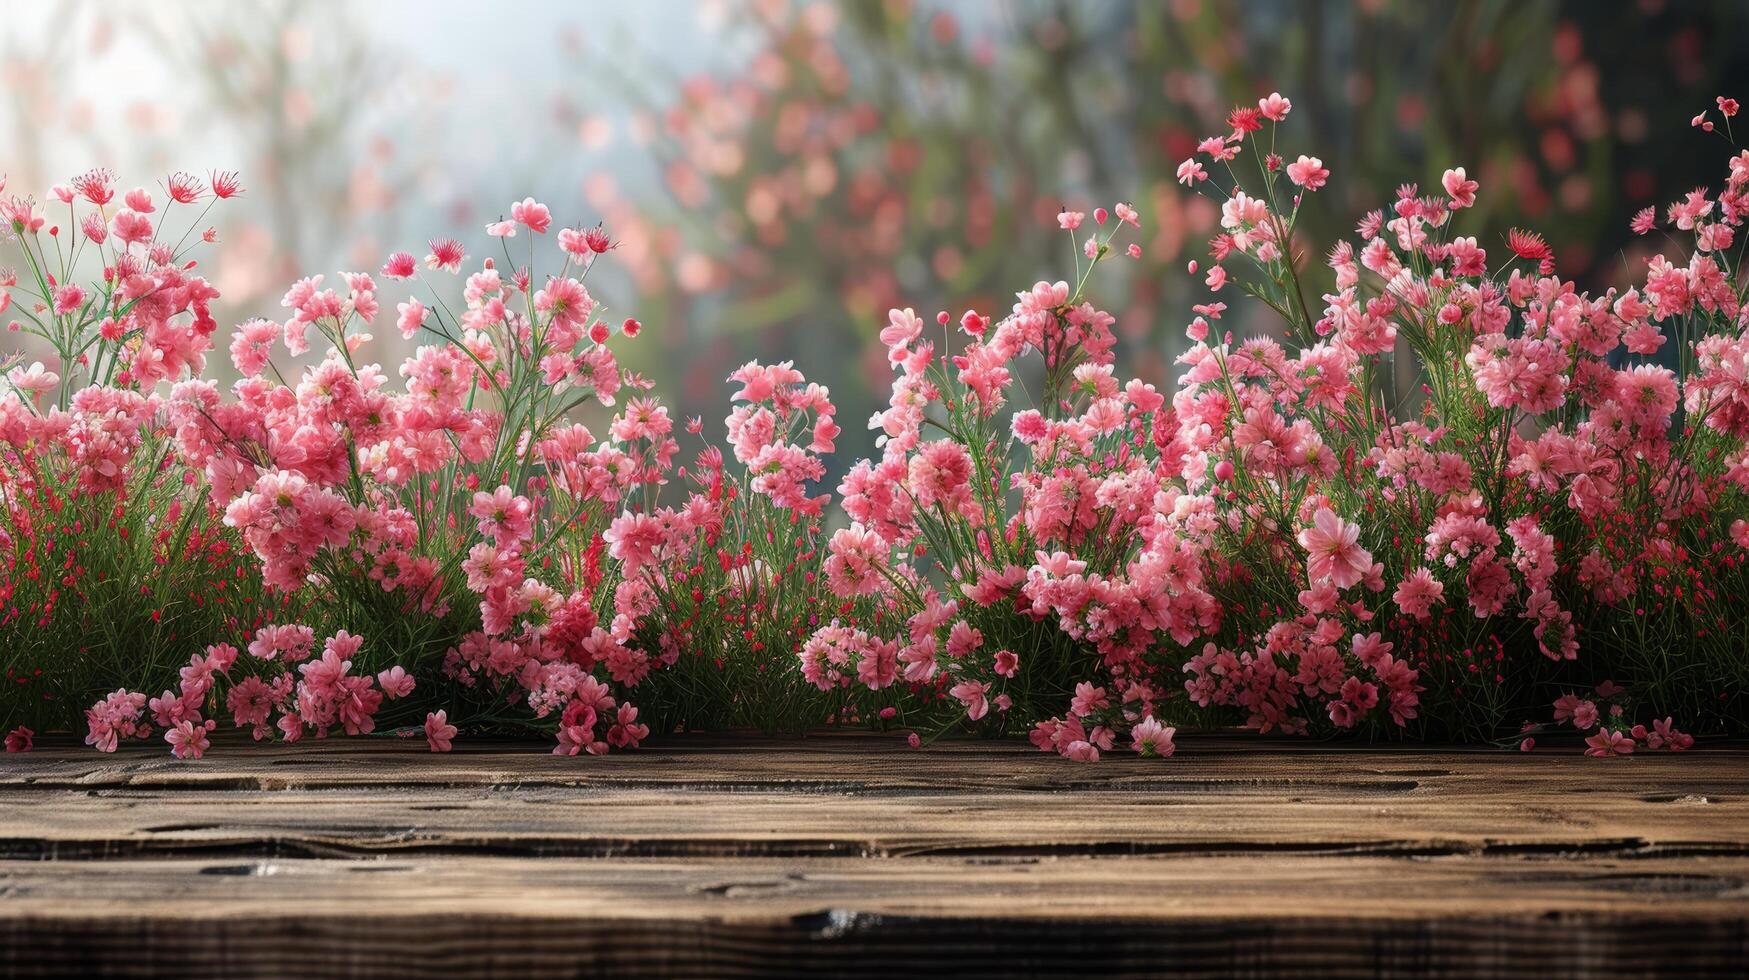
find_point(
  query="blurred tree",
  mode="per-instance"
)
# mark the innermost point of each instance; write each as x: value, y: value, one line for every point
x: 332, y: 126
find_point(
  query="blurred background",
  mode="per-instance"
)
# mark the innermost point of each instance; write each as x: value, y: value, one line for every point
x: 778, y: 173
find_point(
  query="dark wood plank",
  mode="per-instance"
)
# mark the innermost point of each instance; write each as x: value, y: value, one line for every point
x: 1159, y: 915
x: 852, y: 854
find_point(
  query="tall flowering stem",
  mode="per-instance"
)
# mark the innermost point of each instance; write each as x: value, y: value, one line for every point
x: 1006, y: 565
x: 110, y: 554
x: 459, y: 515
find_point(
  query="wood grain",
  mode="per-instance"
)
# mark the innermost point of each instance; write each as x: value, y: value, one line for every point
x: 852, y: 855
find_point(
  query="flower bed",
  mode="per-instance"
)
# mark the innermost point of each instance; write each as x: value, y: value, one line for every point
x: 1436, y: 497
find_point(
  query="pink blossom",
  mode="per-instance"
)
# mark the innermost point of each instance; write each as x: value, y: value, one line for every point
x: 1459, y: 188
x: 1334, y: 551
x: 532, y: 215
x: 34, y: 380
x: 1150, y: 738
x: 188, y: 738
x: 399, y: 265
x: 130, y: 227
x: 1308, y: 172
x: 438, y: 731
x: 395, y: 682
x: 68, y: 299
x: 1607, y: 742
x: 503, y: 516
x: 1007, y: 663
x: 410, y: 317
x: 446, y: 255
x: 1273, y: 107
x: 1418, y: 593
x: 974, y: 695
x: 1584, y: 715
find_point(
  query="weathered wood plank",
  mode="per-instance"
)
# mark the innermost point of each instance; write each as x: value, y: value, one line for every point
x: 848, y: 854
x: 1147, y: 915
x: 858, y: 796
x: 661, y: 823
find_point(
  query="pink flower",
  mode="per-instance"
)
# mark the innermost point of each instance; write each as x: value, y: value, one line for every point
x: 68, y: 298
x: 95, y: 186
x: 1584, y: 715
x: 626, y: 732
x: 1274, y: 108
x: 585, y: 244
x: 35, y: 380
x: 1007, y: 663
x: 903, y: 327
x: 438, y: 730
x: 411, y: 316
x: 399, y: 265
x: 188, y: 739
x: 19, y: 739
x: 94, y: 228
x: 1152, y: 739
x: 252, y: 346
x: 567, y: 305
x: 1334, y: 551
x: 1308, y: 172
x: 446, y: 255
x: 855, y: 557
x: 1608, y: 742
x: 1664, y: 735
x: 634, y: 539
x: 130, y: 226
x: 1070, y: 220
x: 940, y: 474
x: 1088, y: 699
x: 1459, y: 187
x: 974, y: 695
x: 1372, y: 649
x: 224, y: 184
x: 183, y: 188
x: 291, y: 643
x: 395, y: 682
x: 1418, y: 593
x: 532, y: 215
x: 504, y: 516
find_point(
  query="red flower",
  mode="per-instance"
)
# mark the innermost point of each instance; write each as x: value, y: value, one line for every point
x: 1530, y: 245
x: 226, y: 184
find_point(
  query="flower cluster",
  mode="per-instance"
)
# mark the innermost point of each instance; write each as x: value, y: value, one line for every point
x: 464, y: 502
x: 108, y: 554
x: 1441, y: 483
x: 1547, y: 462
x: 310, y: 694
x: 1296, y: 535
x: 1610, y: 734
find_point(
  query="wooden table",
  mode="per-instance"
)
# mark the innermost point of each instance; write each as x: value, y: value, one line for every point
x: 848, y: 854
